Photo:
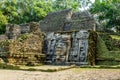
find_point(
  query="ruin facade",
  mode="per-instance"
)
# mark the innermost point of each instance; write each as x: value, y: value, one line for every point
x: 23, y: 47
x: 67, y: 48
x: 66, y: 38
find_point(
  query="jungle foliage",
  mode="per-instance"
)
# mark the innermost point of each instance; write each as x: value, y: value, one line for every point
x: 107, y: 13
x: 108, y: 53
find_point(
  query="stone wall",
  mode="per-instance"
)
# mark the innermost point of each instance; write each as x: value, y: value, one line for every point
x: 13, y: 31
x: 67, y: 20
x: 25, y: 28
x: 28, y: 47
x: 55, y: 21
x: 22, y: 47
x: 82, y: 20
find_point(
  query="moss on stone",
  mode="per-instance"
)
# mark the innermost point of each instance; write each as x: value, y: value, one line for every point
x: 92, y: 50
x: 104, y: 56
x: 27, y: 47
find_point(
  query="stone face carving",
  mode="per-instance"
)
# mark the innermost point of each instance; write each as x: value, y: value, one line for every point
x: 79, y: 46
x: 67, y: 47
x: 57, y: 47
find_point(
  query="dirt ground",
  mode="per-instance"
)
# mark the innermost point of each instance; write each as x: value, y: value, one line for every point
x: 70, y: 74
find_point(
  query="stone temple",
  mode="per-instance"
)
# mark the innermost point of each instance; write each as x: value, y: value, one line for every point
x: 66, y: 36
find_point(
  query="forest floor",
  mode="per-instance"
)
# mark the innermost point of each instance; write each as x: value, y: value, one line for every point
x: 69, y: 74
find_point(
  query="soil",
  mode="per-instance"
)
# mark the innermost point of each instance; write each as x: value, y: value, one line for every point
x: 70, y: 74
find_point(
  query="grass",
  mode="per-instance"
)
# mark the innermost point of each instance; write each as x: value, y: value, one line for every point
x: 26, y: 68
x: 14, y: 67
x: 102, y: 67
x: 97, y: 67
x: 77, y: 67
x: 106, y: 57
x: 111, y: 55
x: 115, y: 37
x: 102, y: 50
x: 115, y: 55
x: 9, y: 66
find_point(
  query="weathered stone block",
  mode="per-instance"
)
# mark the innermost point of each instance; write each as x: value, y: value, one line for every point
x: 13, y: 31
